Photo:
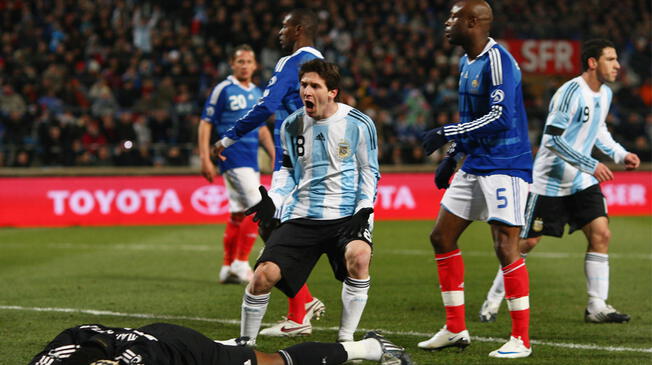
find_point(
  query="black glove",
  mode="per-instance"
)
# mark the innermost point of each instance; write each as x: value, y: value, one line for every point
x: 264, y: 210
x: 433, y: 140
x: 444, y: 172
x: 358, y: 222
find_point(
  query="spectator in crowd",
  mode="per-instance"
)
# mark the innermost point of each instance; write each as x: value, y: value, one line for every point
x: 61, y: 57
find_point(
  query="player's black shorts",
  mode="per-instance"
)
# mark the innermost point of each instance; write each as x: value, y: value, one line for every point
x: 296, y: 246
x: 546, y: 215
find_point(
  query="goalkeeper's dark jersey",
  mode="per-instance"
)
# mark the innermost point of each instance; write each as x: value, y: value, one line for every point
x: 155, y: 344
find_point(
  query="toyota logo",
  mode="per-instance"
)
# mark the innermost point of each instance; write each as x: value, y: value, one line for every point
x: 210, y: 200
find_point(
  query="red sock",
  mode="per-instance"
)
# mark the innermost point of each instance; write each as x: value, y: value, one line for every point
x: 450, y: 267
x: 297, y: 305
x: 231, y: 238
x: 517, y: 294
x: 247, y: 235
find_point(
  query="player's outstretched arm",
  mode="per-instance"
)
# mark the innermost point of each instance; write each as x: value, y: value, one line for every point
x: 273, y: 95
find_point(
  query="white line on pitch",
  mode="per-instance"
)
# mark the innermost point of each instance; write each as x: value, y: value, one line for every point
x: 218, y: 248
x: 236, y: 322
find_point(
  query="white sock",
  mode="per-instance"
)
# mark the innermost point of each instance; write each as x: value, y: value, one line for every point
x: 596, y: 269
x: 497, y: 291
x: 367, y: 349
x: 253, y: 311
x: 354, y: 299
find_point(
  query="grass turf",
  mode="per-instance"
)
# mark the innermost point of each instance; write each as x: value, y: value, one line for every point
x: 169, y: 274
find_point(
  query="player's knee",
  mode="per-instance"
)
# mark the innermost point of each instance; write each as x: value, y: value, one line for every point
x: 267, y: 274
x: 358, y: 257
x: 440, y: 242
x: 600, y: 240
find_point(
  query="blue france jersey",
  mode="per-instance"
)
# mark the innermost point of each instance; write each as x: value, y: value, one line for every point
x: 330, y: 168
x: 575, y: 124
x: 227, y: 103
x: 493, y: 128
x: 281, y: 97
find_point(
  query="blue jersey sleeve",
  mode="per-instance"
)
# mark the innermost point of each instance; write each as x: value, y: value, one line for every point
x: 282, y: 80
x: 214, y: 105
x: 504, y: 79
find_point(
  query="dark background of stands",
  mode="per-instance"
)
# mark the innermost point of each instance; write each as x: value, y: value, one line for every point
x: 122, y: 82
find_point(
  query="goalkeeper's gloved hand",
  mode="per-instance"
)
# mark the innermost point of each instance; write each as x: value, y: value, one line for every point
x: 357, y: 223
x: 264, y: 210
x: 433, y: 140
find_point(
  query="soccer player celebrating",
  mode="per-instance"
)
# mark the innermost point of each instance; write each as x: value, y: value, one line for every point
x: 281, y: 97
x: 566, y: 187
x: 323, y: 195
x: 168, y: 344
x: 230, y: 100
x: 492, y: 184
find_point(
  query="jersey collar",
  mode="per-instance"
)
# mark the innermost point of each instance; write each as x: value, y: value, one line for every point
x: 486, y: 49
x: 312, y: 50
x: 236, y: 82
x: 588, y: 89
x: 342, y: 111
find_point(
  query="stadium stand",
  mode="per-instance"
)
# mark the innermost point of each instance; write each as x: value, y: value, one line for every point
x: 120, y: 82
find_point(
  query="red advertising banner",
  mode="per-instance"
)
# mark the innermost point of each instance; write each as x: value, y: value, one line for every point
x: 70, y: 201
x: 545, y: 56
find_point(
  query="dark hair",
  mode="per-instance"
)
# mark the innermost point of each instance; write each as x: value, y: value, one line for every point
x: 593, y: 49
x: 326, y: 70
x: 306, y: 18
x: 242, y: 47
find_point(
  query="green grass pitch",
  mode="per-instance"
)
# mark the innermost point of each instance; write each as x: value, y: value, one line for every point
x: 51, y: 279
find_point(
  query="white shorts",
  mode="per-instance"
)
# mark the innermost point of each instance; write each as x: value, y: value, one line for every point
x: 500, y: 198
x: 242, y: 186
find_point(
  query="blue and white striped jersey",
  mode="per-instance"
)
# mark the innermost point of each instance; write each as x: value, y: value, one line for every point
x: 281, y: 97
x: 227, y: 103
x: 576, y: 123
x: 493, y: 127
x: 330, y: 167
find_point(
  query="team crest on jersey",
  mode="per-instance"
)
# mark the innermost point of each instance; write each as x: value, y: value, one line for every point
x: 475, y: 83
x: 497, y: 96
x: 210, y: 111
x: 343, y: 150
x: 537, y: 225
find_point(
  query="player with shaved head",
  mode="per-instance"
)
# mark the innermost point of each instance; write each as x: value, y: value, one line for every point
x: 493, y: 182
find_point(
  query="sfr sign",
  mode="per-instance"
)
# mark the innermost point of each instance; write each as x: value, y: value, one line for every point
x: 545, y: 56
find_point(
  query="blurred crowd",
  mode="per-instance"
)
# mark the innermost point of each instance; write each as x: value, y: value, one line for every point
x: 122, y: 82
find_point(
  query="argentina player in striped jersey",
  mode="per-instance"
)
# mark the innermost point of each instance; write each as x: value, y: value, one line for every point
x: 493, y: 181
x: 281, y: 98
x: 324, y: 195
x: 228, y: 101
x: 566, y: 187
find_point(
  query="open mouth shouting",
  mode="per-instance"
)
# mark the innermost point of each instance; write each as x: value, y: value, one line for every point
x: 310, y: 106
